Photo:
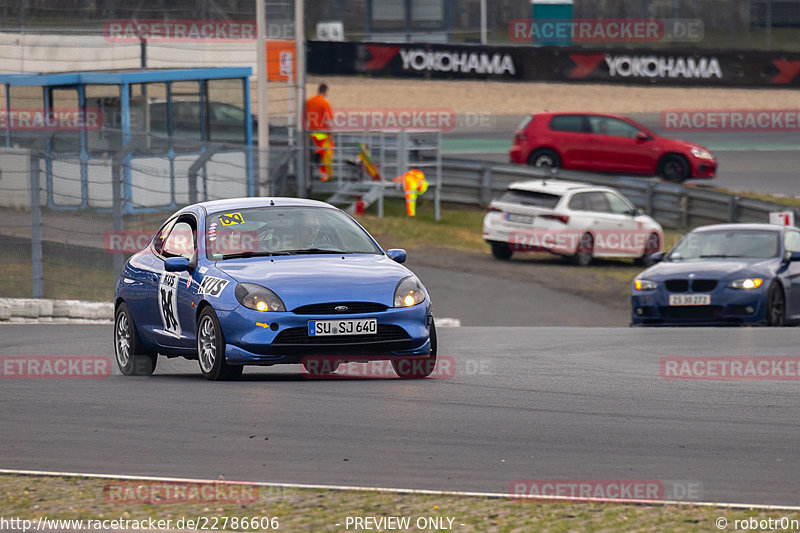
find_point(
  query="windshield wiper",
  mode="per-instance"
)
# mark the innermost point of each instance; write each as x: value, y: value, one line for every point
x: 706, y: 256
x: 313, y: 251
x: 250, y: 253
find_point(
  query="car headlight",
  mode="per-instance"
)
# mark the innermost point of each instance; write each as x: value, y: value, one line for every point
x: 701, y: 154
x: 259, y: 298
x: 745, y: 283
x: 409, y: 292
x: 644, y: 285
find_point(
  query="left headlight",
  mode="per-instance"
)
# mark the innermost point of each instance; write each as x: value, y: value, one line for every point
x: 745, y: 283
x: 644, y: 285
x: 259, y: 298
x: 409, y: 292
x: 701, y: 154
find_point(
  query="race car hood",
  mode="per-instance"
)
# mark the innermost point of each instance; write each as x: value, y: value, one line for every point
x: 715, y: 269
x: 308, y: 279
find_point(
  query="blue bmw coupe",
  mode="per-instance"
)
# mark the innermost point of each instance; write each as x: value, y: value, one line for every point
x: 723, y: 274
x: 260, y: 281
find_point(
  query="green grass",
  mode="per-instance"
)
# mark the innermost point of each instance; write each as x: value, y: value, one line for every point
x: 29, y: 497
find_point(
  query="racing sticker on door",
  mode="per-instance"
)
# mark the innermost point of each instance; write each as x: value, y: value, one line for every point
x: 168, y: 303
x: 212, y: 286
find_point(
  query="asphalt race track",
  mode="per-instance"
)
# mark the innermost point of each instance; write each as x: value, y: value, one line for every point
x: 549, y: 403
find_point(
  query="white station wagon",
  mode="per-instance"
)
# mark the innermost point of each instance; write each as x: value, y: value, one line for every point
x: 571, y: 219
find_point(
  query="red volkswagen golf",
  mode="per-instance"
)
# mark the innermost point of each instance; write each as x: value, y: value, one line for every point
x: 607, y: 143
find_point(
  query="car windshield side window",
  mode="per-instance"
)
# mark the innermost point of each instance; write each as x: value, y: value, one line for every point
x: 568, y: 123
x: 181, y: 240
x: 612, y: 126
x: 597, y: 202
x: 161, y: 236
x: 618, y: 205
x: 579, y: 202
x: 791, y: 241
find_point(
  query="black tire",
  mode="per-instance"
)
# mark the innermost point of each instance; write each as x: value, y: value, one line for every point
x: 650, y: 247
x: 674, y: 168
x: 131, y: 357
x: 211, y: 349
x: 417, y: 367
x: 776, y: 306
x: 501, y: 250
x: 544, y: 157
x: 583, y: 254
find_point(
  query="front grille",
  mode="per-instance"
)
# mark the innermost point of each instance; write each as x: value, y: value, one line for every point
x: 330, y: 308
x: 677, y: 285
x: 386, y: 333
x: 691, y: 311
x: 704, y: 285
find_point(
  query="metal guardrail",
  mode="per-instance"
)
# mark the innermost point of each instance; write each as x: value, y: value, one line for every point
x: 673, y: 206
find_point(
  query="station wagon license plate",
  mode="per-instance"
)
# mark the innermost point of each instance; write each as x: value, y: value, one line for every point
x: 361, y: 326
x: 519, y: 219
x: 689, y: 299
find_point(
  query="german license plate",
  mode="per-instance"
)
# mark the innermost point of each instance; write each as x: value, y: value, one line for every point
x: 519, y: 219
x: 324, y: 328
x: 689, y: 299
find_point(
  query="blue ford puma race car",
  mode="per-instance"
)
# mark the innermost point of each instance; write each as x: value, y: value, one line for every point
x: 723, y: 274
x: 259, y: 281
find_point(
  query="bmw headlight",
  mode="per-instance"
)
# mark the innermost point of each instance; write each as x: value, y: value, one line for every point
x: 701, y: 154
x: 259, y: 298
x: 644, y: 285
x: 409, y: 292
x: 745, y: 283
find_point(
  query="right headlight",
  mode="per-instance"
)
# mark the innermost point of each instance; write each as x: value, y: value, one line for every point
x: 644, y: 285
x: 409, y: 292
x: 259, y: 298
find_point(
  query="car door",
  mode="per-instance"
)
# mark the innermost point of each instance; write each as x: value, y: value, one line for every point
x: 569, y: 135
x: 791, y: 276
x: 174, y: 296
x: 616, y: 148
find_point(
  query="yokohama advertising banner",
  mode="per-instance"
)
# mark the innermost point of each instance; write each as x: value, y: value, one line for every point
x: 557, y: 63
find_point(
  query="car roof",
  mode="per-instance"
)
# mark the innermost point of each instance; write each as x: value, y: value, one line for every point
x: 587, y: 113
x: 554, y: 186
x: 243, y: 203
x: 740, y: 226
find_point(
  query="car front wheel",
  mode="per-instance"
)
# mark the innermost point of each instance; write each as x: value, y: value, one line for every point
x: 211, y: 349
x: 651, y: 247
x: 674, y: 168
x: 417, y: 367
x: 776, y: 306
x: 131, y: 357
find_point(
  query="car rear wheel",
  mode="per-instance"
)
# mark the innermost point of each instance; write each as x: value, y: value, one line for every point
x: 583, y: 254
x: 211, y: 349
x: 417, y: 367
x: 501, y: 250
x: 776, y: 306
x: 544, y: 157
x: 132, y: 360
x: 650, y: 247
x: 674, y: 168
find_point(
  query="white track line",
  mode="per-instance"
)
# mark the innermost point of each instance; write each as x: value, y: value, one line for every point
x: 498, y: 495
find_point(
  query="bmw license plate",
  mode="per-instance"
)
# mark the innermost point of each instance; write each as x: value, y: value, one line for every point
x: 519, y: 219
x: 689, y: 299
x: 361, y: 326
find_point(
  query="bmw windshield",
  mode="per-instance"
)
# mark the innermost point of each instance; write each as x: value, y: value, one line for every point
x: 267, y: 231
x: 723, y: 244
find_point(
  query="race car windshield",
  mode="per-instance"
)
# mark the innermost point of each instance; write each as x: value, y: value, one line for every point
x: 753, y: 244
x: 268, y: 231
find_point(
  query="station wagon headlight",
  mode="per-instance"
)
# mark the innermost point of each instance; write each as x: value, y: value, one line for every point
x: 746, y: 283
x: 409, y: 292
x: 701, y: 154
x: 259, y: 298
x: 644, y: 285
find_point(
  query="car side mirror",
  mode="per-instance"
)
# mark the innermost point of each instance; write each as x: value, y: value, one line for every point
x: 396, y: 254
x: 176, y: 264
x: 636, y: 212
x: 642, y: 136
x: 657, y: 257
x: 793, y: 256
